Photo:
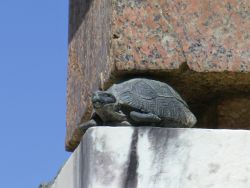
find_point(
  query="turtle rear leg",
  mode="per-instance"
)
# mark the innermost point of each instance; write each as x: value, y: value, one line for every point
x: 144, y: 117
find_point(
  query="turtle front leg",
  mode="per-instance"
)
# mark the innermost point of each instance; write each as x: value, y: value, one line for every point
x: 144, y: 117
x: 119, y: 116
x: 84, y: 126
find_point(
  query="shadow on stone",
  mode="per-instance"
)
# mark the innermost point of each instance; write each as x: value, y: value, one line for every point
x: 77, y: 12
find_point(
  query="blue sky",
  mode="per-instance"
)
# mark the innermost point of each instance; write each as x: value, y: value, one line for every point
x: 33, y: 72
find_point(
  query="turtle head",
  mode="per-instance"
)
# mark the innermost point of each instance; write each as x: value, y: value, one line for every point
x: 101, y: 99
x: 107, y: 107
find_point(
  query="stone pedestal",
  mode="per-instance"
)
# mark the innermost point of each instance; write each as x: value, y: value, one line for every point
x: 201, y: 48
x: 144, y: 157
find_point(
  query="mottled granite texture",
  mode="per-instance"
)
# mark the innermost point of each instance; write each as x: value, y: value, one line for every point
x: 162, y: 34
x: 145, y: 39
x: 200, y: 47
x: 89, y: 50
x: 127, y: 157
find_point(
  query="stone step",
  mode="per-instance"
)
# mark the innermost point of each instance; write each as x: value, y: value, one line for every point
x: 149, y: 157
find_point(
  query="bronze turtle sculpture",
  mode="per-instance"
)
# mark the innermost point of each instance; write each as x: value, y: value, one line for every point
x: 139, y: 102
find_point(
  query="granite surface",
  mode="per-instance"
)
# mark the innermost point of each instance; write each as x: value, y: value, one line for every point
x: 145, y: 39
x: 125, y: 157
x: 211, y: 36
x: 234, y: 113
x: 89, y: 36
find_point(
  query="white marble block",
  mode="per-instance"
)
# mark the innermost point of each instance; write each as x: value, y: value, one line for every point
x: 144, y: 157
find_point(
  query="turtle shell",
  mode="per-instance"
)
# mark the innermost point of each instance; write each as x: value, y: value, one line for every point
x: 151, y: 96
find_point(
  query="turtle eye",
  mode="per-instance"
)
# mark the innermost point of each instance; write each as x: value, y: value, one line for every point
x: 109, y: 98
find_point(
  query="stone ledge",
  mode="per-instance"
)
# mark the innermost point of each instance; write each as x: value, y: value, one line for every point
x: 145, y: 157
